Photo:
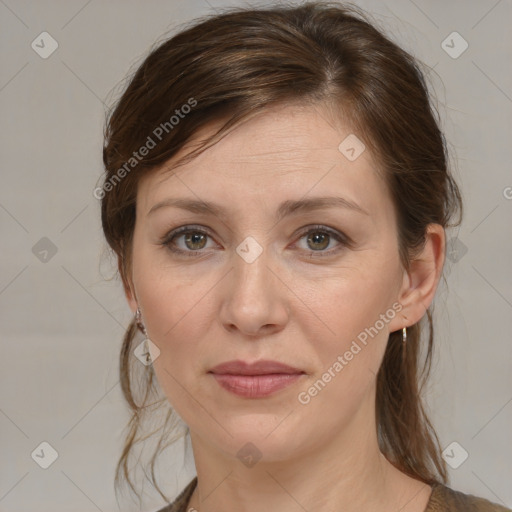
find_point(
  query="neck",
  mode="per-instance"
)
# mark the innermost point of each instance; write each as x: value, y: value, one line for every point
x: 348, y: 472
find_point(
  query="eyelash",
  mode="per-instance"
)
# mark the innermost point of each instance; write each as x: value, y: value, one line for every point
x: 169, y: 238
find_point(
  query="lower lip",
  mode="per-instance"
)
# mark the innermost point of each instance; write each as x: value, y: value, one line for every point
x: 256, y: 386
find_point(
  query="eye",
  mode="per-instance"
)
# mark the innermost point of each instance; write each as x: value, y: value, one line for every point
x: 193, y: 240
x: 319, y: 238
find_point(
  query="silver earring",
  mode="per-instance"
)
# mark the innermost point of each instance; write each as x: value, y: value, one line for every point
x: 140, y: 324
x: 147, y: 351
x: 404, y: 344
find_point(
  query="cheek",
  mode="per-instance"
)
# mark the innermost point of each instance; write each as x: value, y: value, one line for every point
x: 174, y: 296
x: 176, y: 309
x: 170, y: 308
x: 176, y: 319
x: 350, y: 304
x: 350, y: 358
x: 355, y: 313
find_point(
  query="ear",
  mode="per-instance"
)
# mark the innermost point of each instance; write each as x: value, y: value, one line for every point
x: 420, y: 282
x: 129, y: 290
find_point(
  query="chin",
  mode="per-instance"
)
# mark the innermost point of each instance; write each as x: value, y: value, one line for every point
x: 257, y: 449
x: 257, y: 437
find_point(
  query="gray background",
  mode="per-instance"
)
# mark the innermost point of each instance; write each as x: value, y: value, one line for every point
x: 63, y: 317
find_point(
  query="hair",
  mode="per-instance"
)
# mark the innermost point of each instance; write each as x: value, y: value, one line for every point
x: 229, y: 66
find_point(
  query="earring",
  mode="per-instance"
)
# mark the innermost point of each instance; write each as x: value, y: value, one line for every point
x: 140, y: 324
x: 404, y: 344
x: 147, y: 351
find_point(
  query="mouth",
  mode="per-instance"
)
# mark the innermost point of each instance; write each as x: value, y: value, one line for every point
x: 255, y: 380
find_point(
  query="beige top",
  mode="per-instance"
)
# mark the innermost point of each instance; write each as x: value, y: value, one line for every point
x: 442, y: 499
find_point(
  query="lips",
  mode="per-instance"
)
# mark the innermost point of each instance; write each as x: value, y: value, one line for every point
x: 255, y: 380
x: 264, y: 367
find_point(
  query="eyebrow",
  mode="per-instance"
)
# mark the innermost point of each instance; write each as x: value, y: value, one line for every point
x: 285, y: 209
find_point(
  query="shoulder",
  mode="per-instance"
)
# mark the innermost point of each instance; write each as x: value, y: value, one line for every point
x: 180, y: 503
x: 445, y: 499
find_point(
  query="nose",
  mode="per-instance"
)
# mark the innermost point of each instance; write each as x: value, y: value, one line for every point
x: 255, y: 299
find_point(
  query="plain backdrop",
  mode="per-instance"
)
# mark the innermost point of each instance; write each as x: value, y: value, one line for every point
x: 62, y: 317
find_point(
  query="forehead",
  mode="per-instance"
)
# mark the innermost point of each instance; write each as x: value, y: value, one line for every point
x: 284, y: 152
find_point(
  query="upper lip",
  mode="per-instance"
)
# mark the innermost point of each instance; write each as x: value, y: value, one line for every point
x: 263, y: 367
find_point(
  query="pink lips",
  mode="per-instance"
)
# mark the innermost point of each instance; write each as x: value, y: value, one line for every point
x: 255, y: 380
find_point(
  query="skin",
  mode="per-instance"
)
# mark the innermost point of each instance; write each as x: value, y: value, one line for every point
x: 290, y: 304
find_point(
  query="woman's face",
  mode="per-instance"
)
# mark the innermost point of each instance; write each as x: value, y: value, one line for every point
x: 273, y: 274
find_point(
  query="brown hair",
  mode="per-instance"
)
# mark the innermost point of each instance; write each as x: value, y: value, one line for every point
x: 235, y: 64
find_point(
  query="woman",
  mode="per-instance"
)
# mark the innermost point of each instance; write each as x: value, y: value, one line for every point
x: 277, y: 194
